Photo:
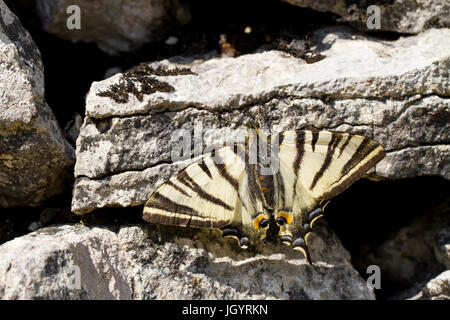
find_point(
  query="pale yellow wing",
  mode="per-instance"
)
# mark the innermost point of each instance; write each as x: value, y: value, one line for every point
x: 324, y: 162
x: 317, y: 165
x: 203, y: 195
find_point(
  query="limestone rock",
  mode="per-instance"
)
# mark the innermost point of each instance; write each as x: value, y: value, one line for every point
x: 72, y: 128
x: 406, y: 16
x: 442, y: 247
x: 437, y: 288
x: 364, y: 85
x: 50, y: 260
x: 148, y: 262
x: 115, y: 26
x: 35, y: 159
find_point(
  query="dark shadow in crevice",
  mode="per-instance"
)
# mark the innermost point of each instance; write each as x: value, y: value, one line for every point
x: 368, y: 212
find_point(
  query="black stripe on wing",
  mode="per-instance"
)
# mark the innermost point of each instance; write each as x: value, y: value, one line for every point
x: 185, y: 179
x: 334, y: 141
x: 218, y: 162
x: 205, y: 169
x: 300, y: 148
x: 366, y: 147
x: 163, y: 203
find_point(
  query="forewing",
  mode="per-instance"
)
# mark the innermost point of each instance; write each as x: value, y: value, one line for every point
x: 203, y: 195
x: 325, y: 163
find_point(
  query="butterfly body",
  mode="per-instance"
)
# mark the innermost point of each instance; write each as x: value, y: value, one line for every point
x: 276, y: 180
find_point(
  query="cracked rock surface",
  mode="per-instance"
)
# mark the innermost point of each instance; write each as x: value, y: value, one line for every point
x: 35, y: 159
x: 437, y: 288
x: 148, y: 262
x: 393, y: 91
x: 406, y: 16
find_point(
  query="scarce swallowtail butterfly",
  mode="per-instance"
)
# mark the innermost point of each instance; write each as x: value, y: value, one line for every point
x: 230, y: 190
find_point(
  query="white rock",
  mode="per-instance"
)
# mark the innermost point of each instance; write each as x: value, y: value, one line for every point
x: 406, y: 16
x: 51, y: 259
x: 152, y: 263
x: 438, y: 288
x: 362, y: 68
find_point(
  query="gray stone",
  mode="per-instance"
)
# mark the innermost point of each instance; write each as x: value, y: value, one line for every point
x: 437, y: 288
x: 72, y: 128
x: 442, y: 247
x: 364, y: 85
x: 406, y: 16
x: 115, y: 26
x: 35, y: 159
x: 50, y: 259
x: 34, y: 226
x: 148, y: 262
x: 416, y: 253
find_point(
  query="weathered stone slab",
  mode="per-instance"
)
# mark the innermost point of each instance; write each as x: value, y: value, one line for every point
x: 35, y: 159
x: 148, y: 263
x: 404, y: 16
x: 367, y: 86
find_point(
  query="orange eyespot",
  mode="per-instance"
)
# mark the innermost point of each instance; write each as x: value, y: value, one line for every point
x: 258, y: 220
x: 264, y: 189
x: 287, y: 216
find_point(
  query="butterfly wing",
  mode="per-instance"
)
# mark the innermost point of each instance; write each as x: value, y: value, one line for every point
x: 220, y: 191
x: 316, y: 165
x: 203, y: 195
x: 325, y: 162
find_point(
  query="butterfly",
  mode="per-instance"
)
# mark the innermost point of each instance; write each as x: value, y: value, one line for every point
x: 244, y: 195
